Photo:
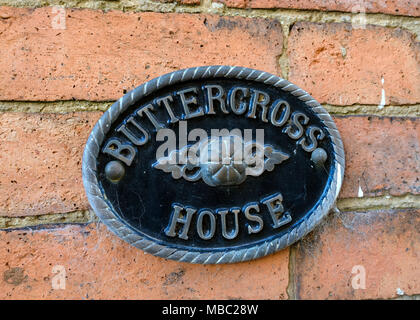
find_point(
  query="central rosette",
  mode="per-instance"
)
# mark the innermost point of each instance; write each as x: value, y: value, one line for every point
x: 222, y: 161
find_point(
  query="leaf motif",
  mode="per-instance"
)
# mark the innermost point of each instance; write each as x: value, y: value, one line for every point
x: 273, y: 157
x: 169, y: 164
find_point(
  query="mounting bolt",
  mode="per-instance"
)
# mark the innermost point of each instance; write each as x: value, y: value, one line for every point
x: 114, y: 171
x: 319, y: 156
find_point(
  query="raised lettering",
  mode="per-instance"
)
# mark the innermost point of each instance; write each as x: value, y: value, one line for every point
x: 259, y: 99
x: 186, y: 102
x: 165, y: 100
x: 312, y: 137
x: 178, y: 216
x: 253, y: 217
x: 285, y: 107
x: 238, y: 106
x: 219, y: 96
x: 206, y: 235
x: 295, y: 130
x: 147, y: 111
x: 276, y: 209
x: 234, y: 232
x: 121, y: 151
x: 130, y: 135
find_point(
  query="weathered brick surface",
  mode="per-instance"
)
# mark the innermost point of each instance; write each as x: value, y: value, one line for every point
x: 99, y: 265
x: 341, y: 65
x: 386, y: 244
x: 382, y: 155
x: 395, y: 7
x: 42, y: 159
x: 188, y: 2
x: 99, y: 55
x: 41, y: 162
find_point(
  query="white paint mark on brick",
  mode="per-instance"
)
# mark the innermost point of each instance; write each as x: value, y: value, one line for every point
x: 360, y: 192
x: 382, y: 103
x: 343, y: 52
x: 217, y: 5
x: 359, y: 280
x: 400, y: 292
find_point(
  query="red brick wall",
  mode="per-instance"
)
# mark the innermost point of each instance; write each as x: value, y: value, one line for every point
x: 61, y: 67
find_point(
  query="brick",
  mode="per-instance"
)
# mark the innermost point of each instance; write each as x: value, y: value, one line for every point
x: 41, y: 162
x: 394, y: 7
x: 341, y: 65
x: 42, y: 159
x: 190, y: 2
x: 99, y: 265
x: 385, y: 243
x: 187, y: 2
x: 382, y: 155
x: 101, y: 54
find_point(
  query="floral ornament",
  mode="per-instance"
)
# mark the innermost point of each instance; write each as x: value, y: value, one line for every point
x: 226, y: 160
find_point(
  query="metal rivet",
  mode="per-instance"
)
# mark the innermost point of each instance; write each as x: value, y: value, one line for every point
x: 114, y: 171
x: 319, y: 156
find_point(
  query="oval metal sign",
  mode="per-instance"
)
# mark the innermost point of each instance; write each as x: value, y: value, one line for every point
x: 213, y: 164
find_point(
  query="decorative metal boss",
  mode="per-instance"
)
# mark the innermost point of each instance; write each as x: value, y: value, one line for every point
x: 213, y: 164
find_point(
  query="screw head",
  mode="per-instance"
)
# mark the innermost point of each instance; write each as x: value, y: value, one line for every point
x: 114, y: 171
x: 319, y: 156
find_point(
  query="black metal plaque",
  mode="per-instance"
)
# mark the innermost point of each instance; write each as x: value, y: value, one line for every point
x: 213, y: 164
